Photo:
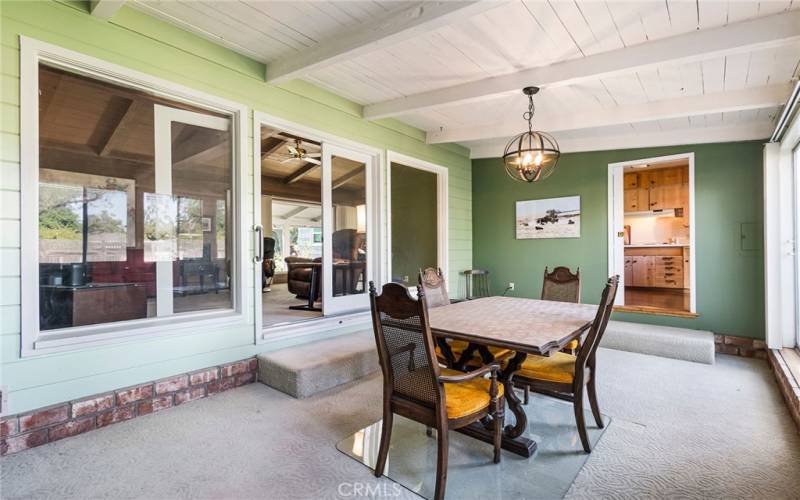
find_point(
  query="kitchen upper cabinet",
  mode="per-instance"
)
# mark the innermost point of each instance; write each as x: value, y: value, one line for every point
x: 658, y: 189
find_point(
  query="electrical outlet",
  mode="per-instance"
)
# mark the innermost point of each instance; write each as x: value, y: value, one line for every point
x: 511, y: 285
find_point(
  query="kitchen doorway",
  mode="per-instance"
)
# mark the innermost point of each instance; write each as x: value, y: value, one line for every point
x: 651, y: 234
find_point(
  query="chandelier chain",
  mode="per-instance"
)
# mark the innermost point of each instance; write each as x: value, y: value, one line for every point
x: 528, y: 115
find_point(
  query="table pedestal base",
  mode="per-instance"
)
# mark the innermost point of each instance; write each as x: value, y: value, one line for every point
x: 520, y: 445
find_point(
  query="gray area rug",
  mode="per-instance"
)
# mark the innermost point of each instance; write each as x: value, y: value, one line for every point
x: 680, y: 430
x: 471, y: 472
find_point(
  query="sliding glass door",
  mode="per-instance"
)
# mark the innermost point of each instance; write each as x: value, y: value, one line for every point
x: 348, y: 236
x: 187, y: 217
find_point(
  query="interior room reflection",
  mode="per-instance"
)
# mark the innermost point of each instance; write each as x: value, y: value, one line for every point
x: 292, y: 215
x: 113, y: 244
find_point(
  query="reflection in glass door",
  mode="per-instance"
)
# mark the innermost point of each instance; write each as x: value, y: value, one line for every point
x: 347, y: 210
x: 187, y: 219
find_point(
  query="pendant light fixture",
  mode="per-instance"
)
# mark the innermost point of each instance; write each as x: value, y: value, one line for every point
x: 531, y: 156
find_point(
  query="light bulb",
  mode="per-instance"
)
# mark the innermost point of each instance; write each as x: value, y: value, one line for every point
x: 539, y: 159
x: 526, y: 160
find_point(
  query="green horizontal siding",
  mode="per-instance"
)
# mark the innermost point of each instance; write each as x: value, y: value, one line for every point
x: 139, y: 42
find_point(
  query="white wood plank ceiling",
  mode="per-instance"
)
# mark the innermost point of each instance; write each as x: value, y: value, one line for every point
x: 614, y: 74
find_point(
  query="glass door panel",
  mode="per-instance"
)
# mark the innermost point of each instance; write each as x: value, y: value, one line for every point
x: 347, y: 212
x: 188, y: 219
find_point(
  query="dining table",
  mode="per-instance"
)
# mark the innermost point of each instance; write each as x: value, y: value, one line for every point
x: 523, y: 326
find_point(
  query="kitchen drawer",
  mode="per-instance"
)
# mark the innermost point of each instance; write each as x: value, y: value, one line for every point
x: 668, y: 280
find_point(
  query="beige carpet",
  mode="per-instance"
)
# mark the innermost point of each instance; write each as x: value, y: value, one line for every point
x: 681, y: 430
x: 275, y: 307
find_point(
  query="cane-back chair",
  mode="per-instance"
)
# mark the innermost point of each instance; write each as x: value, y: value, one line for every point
x: 451, y: 352
x: 416, y: 388
x: 564, y: 376
x: 563, y: 286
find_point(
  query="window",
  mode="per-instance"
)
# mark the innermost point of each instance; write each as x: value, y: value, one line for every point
x: 97, y: 158
x: 132, y: 200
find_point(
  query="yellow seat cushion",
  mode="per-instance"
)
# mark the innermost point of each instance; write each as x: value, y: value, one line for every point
x: 459, y: 346
x: 560, y: 367
x: 468, y: 397
x: 572, y: 345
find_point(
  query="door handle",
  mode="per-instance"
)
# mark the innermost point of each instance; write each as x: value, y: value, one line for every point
x: 259, y: 230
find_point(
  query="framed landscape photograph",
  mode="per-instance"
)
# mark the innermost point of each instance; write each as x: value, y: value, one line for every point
x: 550, y: 218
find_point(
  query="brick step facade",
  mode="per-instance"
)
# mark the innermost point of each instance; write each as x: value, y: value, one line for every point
x: 45, y: 425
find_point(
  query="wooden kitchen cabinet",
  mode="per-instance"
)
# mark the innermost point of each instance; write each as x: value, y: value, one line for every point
x: 659, y: 267
x: 642, y: 267
x: 629, y: 270
x: 658, y: 189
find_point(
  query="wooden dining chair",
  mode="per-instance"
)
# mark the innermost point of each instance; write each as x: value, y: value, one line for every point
x: 451, y: 352
x: 562, y: 286
x: 416, y: 388
x: 477, y: 283
x: 433, y: 285
x: 564, y: 376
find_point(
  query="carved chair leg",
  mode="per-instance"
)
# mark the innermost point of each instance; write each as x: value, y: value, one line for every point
x: 527, y: 395
x: 498, y: 429
x: 579, y: 421
x: 441, y: 464
x: 598, y: 418
x: 386, y: 436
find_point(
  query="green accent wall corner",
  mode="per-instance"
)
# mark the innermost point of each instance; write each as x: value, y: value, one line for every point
x: 728, y: 194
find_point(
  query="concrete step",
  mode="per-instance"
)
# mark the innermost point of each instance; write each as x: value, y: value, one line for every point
x: 304, y: 370
x: 664, y: 341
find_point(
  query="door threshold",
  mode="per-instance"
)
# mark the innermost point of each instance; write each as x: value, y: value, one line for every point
x: 311, y: 326
x: 658, y: 311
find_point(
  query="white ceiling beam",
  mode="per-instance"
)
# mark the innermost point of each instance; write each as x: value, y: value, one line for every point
x: 718, y: 102
x: 745, y: 36
x: 599, y: 142
x: 397, y: 26
x: 105, y: 9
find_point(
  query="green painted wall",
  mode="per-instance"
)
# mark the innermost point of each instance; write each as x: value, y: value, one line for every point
x: 145, y: 44
x: 728, y: 193
x: 413, y: 193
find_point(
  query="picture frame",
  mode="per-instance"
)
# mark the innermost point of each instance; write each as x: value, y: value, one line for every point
x: 548, y: 218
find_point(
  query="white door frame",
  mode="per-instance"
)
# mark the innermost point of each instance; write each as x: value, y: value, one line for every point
x: 323, y: 325
x: 442, y: 227
x: 345, y: 303
x: 616, y: 222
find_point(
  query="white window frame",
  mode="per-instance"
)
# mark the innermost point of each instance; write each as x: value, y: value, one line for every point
x: 782, y: 317
x: 35, y: 342
x: 616, y: 260
x: 324, y: 326
x: 442, y: 227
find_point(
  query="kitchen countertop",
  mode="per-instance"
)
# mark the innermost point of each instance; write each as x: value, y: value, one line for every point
x: 656, y: 245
